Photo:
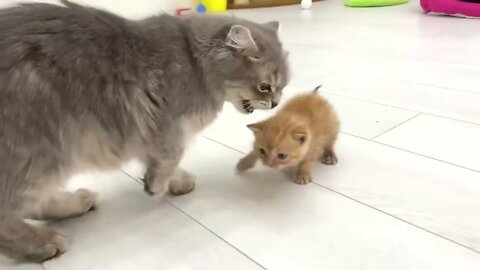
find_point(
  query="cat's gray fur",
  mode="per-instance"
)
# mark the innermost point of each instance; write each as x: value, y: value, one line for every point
x: 83, y: 89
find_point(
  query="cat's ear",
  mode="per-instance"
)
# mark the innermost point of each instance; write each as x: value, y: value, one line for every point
x: 273, y: 25
x: 301, y: 137
x: 257, y: 127
x: 240, y: 38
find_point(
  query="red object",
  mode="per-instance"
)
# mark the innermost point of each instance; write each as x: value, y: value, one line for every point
x: 452, y: 7
x: 180, y: 11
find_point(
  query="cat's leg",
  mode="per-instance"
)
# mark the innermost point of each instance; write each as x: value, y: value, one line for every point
x: 24, y: 241
x: 159, y: 172
x: 247, y: 162
x: 19, y: 239
x: 64, y: 204
x: 162, y: 168
x: 304, y: 171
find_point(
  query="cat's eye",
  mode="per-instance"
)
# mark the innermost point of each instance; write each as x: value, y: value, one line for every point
x: 282, y: 156
x: 262, y: 151
x: 254, y: 58
x: 264, y: 87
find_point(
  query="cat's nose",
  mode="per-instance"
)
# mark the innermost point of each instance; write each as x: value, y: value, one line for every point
x: 274, y: 104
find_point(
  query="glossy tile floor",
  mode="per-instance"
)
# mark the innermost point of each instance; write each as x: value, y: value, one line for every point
x: 404, y: 195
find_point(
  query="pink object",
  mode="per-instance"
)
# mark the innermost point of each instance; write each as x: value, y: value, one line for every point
x: 180, y: 11
x: 451, y: 7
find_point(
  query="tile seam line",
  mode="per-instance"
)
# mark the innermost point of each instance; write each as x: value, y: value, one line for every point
x: 335, y: 192
x: 393, y: 79
x: 215, y: 234
x: 425, y: 84
x: 398, y: 218
x: 395, y: 126
x: 413, y: 153
x: 379, y: 210
x: 368, y: 101
x: 341, y: 194
x: 456, y: 90
x: 385, y: 105
x: 222, y: 144
x: 401, y: 108
x: 366, y: 139
x: 134, y: 178
x: 168, y: 200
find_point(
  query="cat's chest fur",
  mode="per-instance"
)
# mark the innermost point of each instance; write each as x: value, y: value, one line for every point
x: 204, y: 109
x: 191, y: 125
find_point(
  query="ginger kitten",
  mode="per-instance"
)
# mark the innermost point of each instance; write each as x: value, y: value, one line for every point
x: 302, y: 132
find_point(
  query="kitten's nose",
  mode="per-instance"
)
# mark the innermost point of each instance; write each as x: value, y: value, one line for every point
x: 274, y: 104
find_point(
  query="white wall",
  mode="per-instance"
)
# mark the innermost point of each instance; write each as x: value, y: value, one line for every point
x: 133, y: 9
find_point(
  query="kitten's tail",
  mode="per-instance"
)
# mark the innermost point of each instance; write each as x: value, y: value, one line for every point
x: 316, y: 88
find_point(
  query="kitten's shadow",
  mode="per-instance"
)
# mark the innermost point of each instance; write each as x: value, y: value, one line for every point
x: 257, y: 186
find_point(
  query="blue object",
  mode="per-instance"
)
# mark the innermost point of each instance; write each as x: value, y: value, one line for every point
x: 201, y: 8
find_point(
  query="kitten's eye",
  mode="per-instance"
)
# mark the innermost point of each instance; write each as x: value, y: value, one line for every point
x: 262, y: 151
x: 264, y: 87
x: 282, y: 156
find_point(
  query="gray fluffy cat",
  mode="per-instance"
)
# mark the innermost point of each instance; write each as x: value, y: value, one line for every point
x: 83, y: 89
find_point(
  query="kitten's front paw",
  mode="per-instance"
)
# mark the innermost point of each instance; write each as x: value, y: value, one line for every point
x: 329, y: 158
x: 303, y: 179
x: 244, y: 164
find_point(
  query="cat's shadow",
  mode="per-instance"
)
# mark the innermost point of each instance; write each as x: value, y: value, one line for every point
x: 126, y: 215
x: 126, y: 220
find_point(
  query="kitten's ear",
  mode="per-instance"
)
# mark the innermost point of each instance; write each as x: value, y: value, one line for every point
x: 273, y: 25
x: 301, y: 137
x: 257, y: 127
x: 240, y: 38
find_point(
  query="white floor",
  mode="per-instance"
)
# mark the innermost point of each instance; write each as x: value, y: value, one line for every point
x: 404, y: 195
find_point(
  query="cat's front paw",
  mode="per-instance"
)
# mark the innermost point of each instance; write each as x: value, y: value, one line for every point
x: 154, y: 187
x: 182, y: 182
x: 87, y: 200
x: 303, y: 179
